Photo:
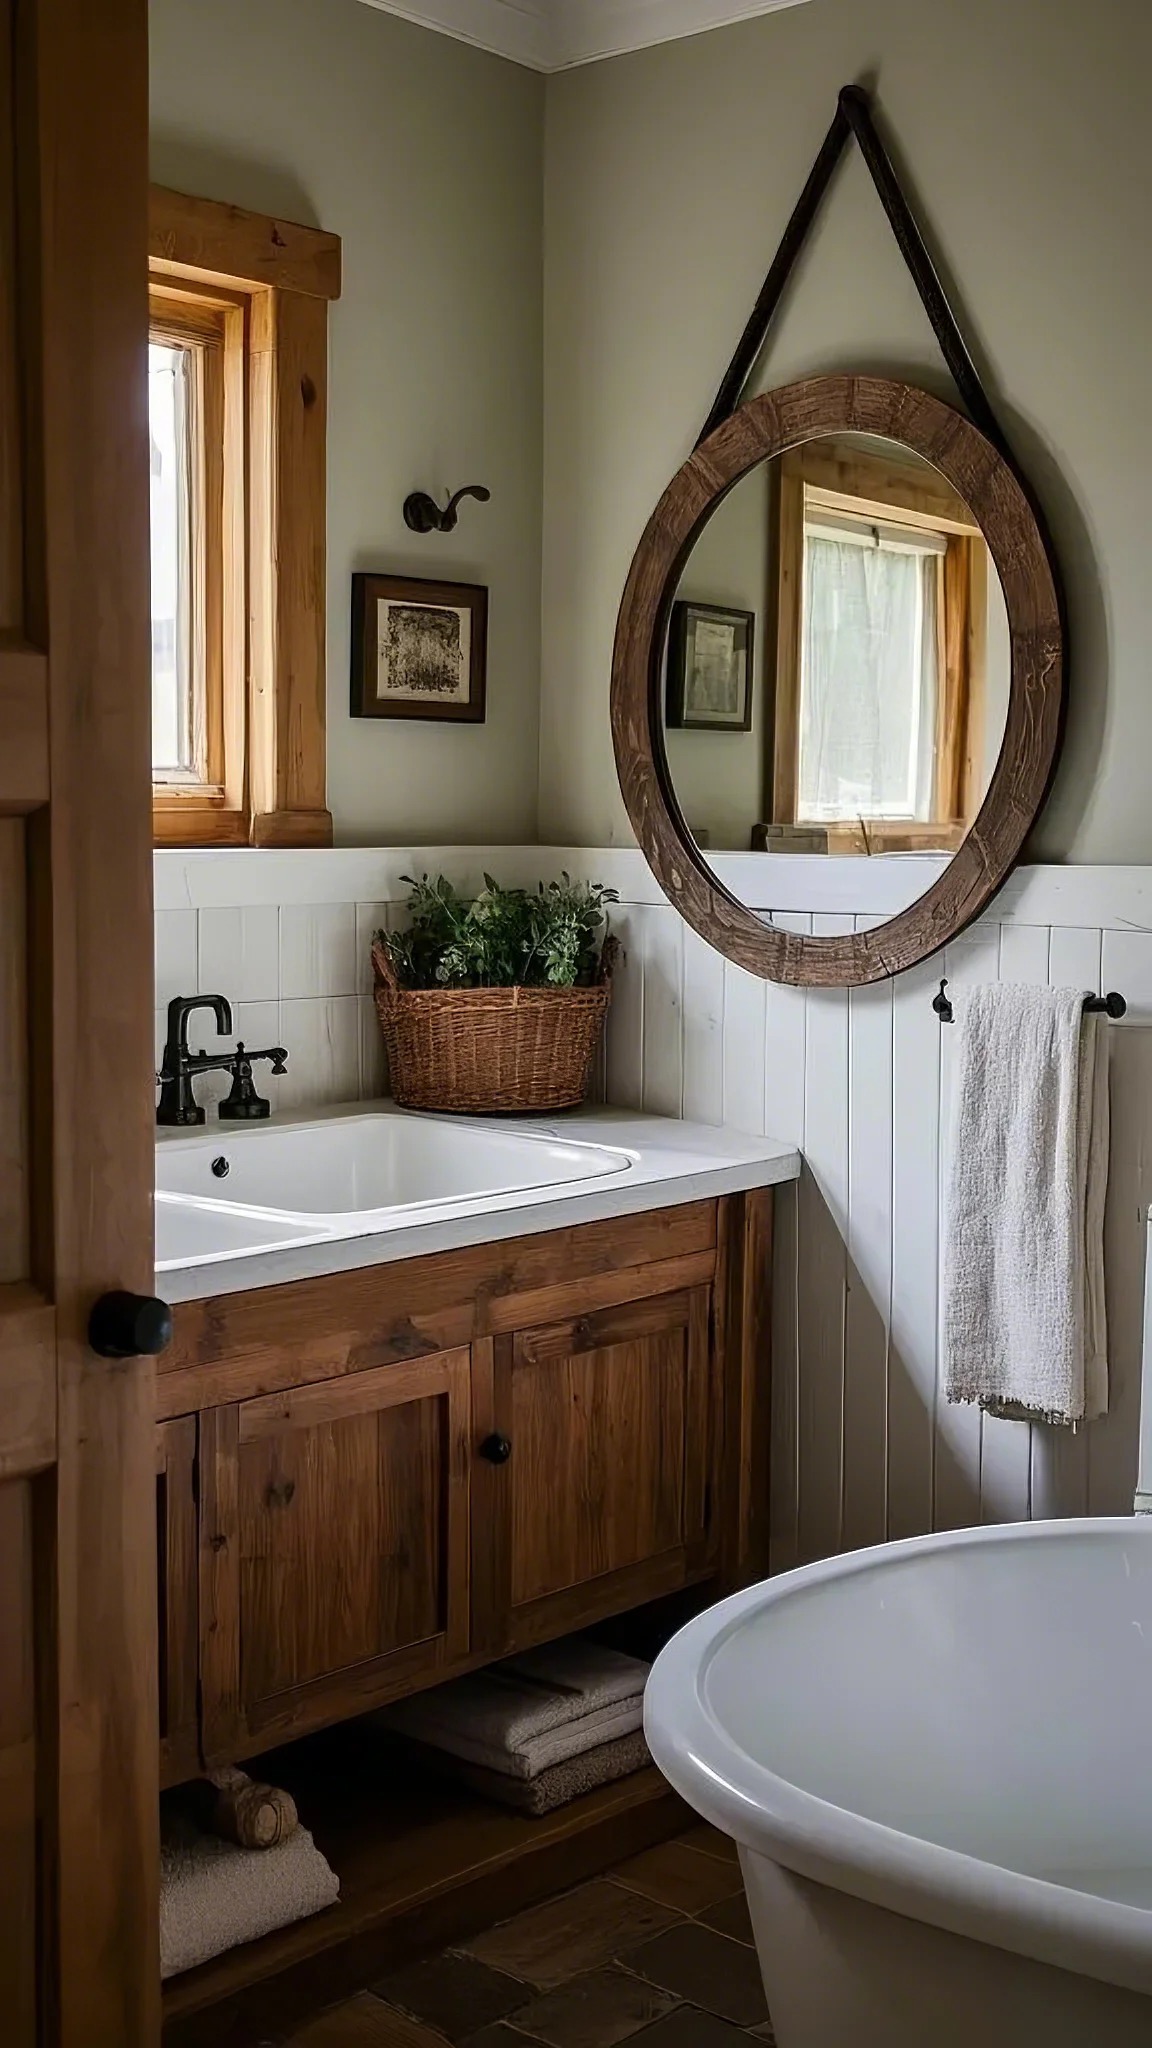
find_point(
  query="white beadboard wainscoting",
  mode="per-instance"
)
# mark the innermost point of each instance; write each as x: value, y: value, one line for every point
x: 863, y: 1445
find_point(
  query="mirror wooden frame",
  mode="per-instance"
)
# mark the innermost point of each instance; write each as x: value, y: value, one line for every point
x: 765, y: 427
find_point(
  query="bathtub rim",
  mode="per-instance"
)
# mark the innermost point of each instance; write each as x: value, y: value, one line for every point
x: 922, y: 1880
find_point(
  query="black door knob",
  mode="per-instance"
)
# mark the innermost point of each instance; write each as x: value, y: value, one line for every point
x: 496, y: 1449
x: 129, y: 1326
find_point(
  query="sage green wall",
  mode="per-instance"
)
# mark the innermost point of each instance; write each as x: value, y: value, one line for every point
x: 425, y: 156
x: 668, y: 177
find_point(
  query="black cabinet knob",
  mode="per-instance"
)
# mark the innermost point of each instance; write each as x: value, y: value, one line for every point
x: 496, y: 1449
x: 129, y: 1326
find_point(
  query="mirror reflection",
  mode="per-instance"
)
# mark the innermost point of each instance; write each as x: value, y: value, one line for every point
x: 838, y: 660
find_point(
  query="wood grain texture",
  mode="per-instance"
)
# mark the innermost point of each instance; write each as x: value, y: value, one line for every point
x: 768, y: 426
x: 744, y: 1489
x: 24, y: 723
x: 288, y: 401
x: 14, y: 1131
x: 200, y: 238
x: 349, y: 1322
x: 179, y: 1604
x: 27, y: 1381
x: 82, y: 123
x: 19, y: 1874
x: 335, y: 1542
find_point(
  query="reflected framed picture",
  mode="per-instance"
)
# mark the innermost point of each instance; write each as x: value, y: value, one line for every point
x: 710, y: 668
x: 418, y: 648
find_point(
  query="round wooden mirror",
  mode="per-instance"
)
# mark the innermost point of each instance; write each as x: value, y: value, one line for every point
x: 841, y: 636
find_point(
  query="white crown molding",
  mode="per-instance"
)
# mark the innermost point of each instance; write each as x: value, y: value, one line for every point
x: 555, y: 35
x: 523, y: 30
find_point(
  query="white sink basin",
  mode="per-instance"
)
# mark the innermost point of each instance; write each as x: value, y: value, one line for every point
x: 345, y: 1176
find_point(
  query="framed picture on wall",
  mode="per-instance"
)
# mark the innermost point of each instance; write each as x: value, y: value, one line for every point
x: 710, y: 668
x: 418, y: 648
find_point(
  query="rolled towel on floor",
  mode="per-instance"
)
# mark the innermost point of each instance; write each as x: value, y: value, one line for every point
x: 214, y: 1896
x: 531, y: 1712
x: 1024, y: 1321
x: 557, y: 1786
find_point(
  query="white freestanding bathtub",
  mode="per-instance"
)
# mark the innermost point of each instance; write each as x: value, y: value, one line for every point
x: 936, y: 1759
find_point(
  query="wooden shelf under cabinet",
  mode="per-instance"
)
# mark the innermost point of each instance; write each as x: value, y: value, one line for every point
x: 421, y: 1864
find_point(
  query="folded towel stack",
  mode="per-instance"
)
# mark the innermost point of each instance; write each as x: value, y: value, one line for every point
x: 537, y: 1730
x: 213, y: 1895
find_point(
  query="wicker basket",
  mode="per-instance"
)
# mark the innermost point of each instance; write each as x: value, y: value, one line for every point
x: 490, y: 1049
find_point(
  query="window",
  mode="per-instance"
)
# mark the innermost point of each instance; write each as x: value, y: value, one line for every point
x: 870, y: 675
x: 881, y: 579
x: 237, y: 381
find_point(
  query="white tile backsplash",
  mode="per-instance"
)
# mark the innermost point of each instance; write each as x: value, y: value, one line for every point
x: 370, y: 918
x: 323, y: 1041
x: 239, y: 952
x: 318, y: 949
x: 176, y: 966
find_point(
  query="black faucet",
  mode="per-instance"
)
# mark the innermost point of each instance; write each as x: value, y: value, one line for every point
x: 178, y: 1104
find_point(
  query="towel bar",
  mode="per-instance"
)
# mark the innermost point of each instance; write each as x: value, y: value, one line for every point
x: 1111, y: 1005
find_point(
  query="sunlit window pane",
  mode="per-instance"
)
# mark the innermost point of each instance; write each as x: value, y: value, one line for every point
x: 869, y: 679
x: 169, y: 417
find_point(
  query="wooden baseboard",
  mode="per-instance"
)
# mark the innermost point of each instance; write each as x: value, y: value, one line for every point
x: 421, y: 1864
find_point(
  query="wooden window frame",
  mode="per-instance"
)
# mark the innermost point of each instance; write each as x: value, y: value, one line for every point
x: 826, y: 476
x: 255, y: 292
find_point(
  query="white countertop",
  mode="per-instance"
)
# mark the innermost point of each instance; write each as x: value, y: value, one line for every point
x: 671, y: 1162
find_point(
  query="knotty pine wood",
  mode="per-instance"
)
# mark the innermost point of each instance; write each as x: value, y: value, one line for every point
x: 235, y: 1346
x: 202, y: 239
x: 334, y: 1546
x: 765, y: 427
x: 421, y: 1864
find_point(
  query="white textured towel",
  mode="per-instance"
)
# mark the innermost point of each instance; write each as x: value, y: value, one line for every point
x: 214, y: 1896
x: 532, y: 1712
x: 1024, y: 1321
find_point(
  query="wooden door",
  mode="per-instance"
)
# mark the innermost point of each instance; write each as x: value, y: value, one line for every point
x: 334, y: 1548
x: 594, y: 1490
x: 78, y: 1739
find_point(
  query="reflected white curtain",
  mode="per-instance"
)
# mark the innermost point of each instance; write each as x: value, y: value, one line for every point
x: 869, y: 677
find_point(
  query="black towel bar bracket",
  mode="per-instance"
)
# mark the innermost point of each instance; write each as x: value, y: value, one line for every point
x: 1111, y: 1005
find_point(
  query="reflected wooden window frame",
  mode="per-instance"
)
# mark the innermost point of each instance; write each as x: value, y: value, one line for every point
x: 825, y: 475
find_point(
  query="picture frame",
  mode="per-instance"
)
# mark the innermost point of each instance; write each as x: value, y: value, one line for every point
x: 709, y: 679
x: 419, y: 648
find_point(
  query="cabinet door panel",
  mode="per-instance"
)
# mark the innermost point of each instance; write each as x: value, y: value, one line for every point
x: 334, y: 1551
x: 604, y: 1500
x: 176, y: 1580
x: 339, y: 1542
x: 598, y: 1479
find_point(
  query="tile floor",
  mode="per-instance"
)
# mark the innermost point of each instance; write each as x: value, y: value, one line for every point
x: 657, y: 1954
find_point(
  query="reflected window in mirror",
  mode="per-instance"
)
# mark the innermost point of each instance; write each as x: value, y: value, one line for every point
x: 884, y: 736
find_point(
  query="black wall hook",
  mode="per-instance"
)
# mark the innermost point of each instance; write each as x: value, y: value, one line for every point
x: 423, y: 515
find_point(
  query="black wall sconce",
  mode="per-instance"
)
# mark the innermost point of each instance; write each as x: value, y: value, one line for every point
x: 423, y: 515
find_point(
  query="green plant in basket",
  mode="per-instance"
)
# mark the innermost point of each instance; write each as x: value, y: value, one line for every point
x: 549, y: 937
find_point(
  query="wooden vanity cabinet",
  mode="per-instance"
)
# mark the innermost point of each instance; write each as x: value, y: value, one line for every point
x: 372, y: 1481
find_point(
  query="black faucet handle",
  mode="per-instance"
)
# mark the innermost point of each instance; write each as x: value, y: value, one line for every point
x: 242, y: 1104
